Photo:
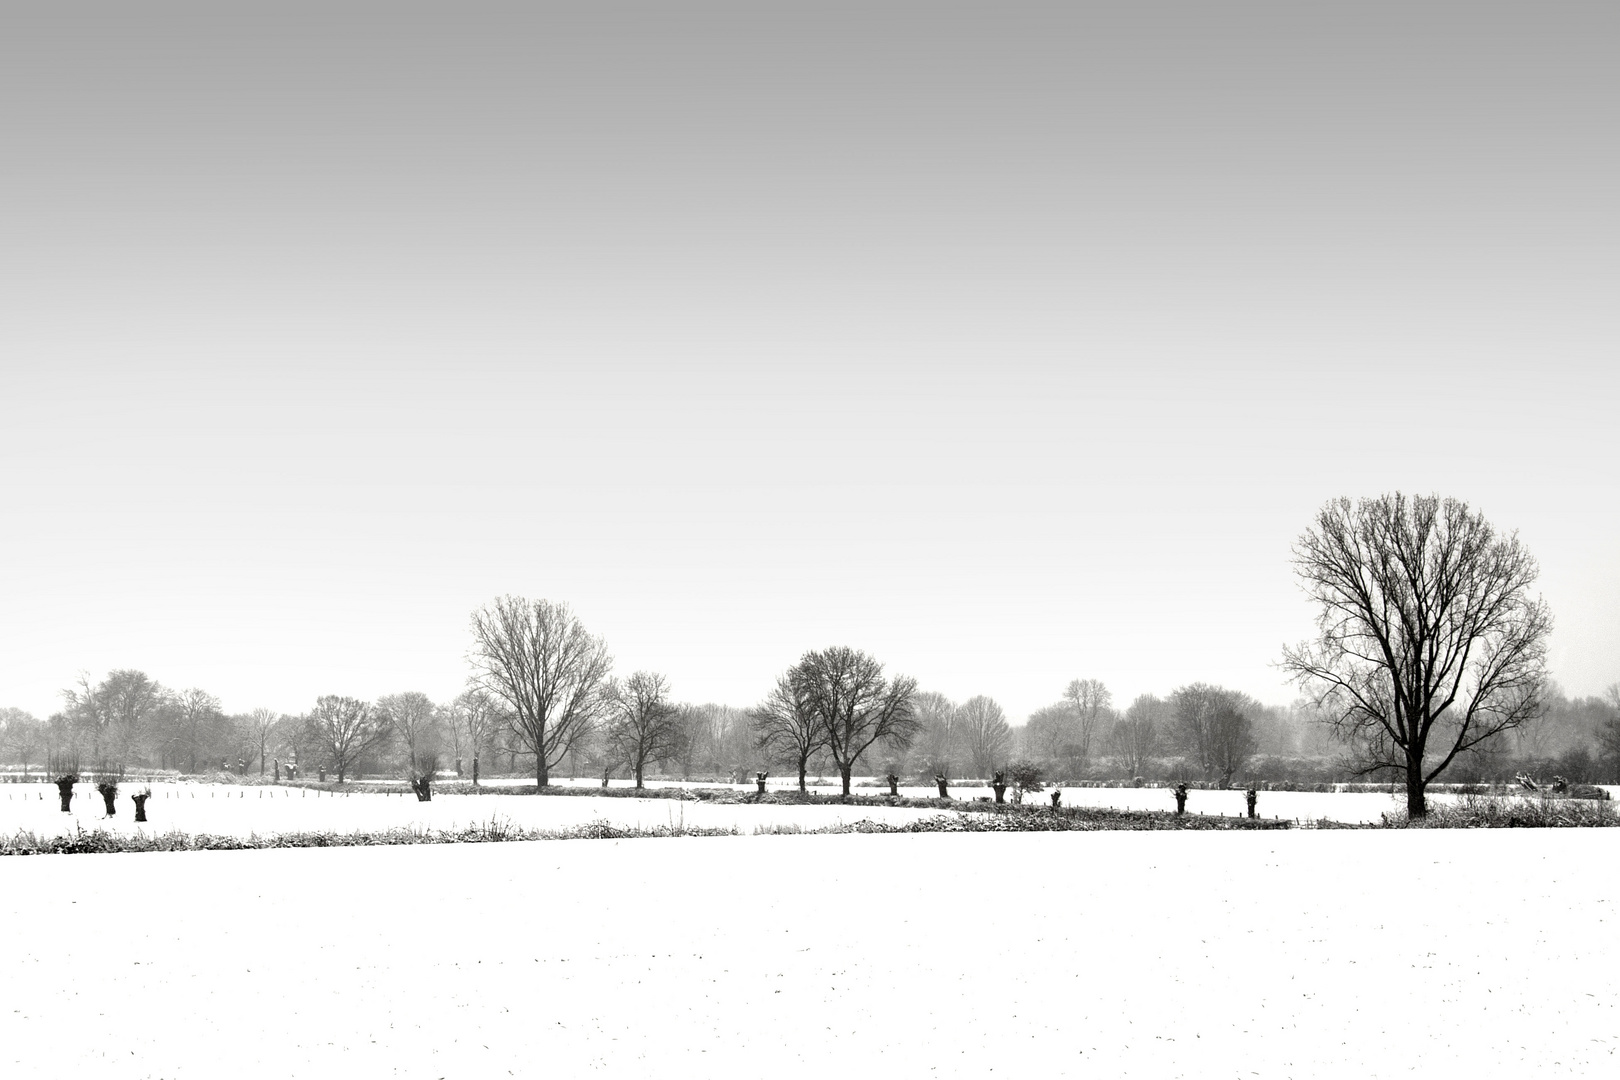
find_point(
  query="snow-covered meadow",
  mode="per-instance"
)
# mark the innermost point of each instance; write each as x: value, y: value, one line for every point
x: 232, y: 810
x: 225, y: 809
x: 1299, y: 954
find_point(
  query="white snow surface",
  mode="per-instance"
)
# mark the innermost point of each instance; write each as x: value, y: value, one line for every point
x: 1298, y: 954
x: 243, y: 810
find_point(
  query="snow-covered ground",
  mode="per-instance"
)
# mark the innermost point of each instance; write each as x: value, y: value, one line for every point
x: 232, y: 810
x: 1300, y: 954
x: 225, y: 809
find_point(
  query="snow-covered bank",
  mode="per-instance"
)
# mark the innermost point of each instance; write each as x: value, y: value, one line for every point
x: 1114, y: 954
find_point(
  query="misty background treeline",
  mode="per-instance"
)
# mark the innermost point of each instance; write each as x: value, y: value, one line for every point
x: 1194, y: 732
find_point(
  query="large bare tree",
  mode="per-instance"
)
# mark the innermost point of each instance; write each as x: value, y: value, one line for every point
x: 1214, y: 727
x: 538, y: 659
x: 1429, y: 642
x: 258, y: 725
x: 985, y: 734
x: 1090, y: 699
x: 475, y: 716
x: 115, y: 713
x: 22, y: 736
x: 694, y: 738
x: 641, y: 721
x: 938, y: 742
x: 857, y: 705
x: 1048, y: 730
x: 345, y: 729
x: 197, y: 723
x: 414, y: 721
x: 1134, y: 737
x: 788, y: 727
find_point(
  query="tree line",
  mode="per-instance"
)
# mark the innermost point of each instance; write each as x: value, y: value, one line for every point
x: 816, y: 720
x: 1430, y: 659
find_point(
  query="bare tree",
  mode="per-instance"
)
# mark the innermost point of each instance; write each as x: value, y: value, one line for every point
x: 984, y: 733
x: 538, y: 659
x: 22, y: 736
x: 641, y: 721
x: 856, y: 704
x: 1090, y: 700
x: 414, y: 721
x: 694, y: 739
x: 291, y: 739
x: 345, y: 729
x: 788, y: 727
x: 114, y: 713
x: 729, y: 731
x: 259, y: 724
x: 1134, y: 738
x: 1429, y: 643
x: 1048, y: 730
x: 197, y: 720
x: 475, y: 716
x: 938, y: 741
x: 1214, y: 727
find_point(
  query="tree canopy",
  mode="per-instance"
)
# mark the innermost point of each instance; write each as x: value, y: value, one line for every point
x: 1429, y: 642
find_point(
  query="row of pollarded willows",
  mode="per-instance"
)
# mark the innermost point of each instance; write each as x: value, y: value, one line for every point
x: 1481, y: 813
x: 718, y: 795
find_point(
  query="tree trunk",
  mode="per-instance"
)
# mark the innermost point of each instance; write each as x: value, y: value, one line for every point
x: 804, y: 788
x: 843, y: 773
x: 140, y: 806
x: 541, y: 774
x: 638, y: 776
x: 1416, y: 807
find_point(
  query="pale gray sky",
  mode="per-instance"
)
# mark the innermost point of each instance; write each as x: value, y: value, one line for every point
x: 1010, y: 343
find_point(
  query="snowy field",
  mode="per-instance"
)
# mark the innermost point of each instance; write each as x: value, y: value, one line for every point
x: 229, y: 810
x: 1300, y: 954
x: 225, y: 809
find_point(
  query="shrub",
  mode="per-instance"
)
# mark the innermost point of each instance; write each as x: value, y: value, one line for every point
x: 1511, y: 812
x: 1025, y: 776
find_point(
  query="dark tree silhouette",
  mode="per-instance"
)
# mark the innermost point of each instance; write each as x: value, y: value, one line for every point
x: 642, y: 721
x: 1429, y: 642
x: 1214, y: 727
x: 537, y: 659
x: 346, y: 728
x: 856, y: 704
x: 788, y: 727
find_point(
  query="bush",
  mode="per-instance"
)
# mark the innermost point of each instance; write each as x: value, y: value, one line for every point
x: 1523, y: 812
x: 1024, y: 776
